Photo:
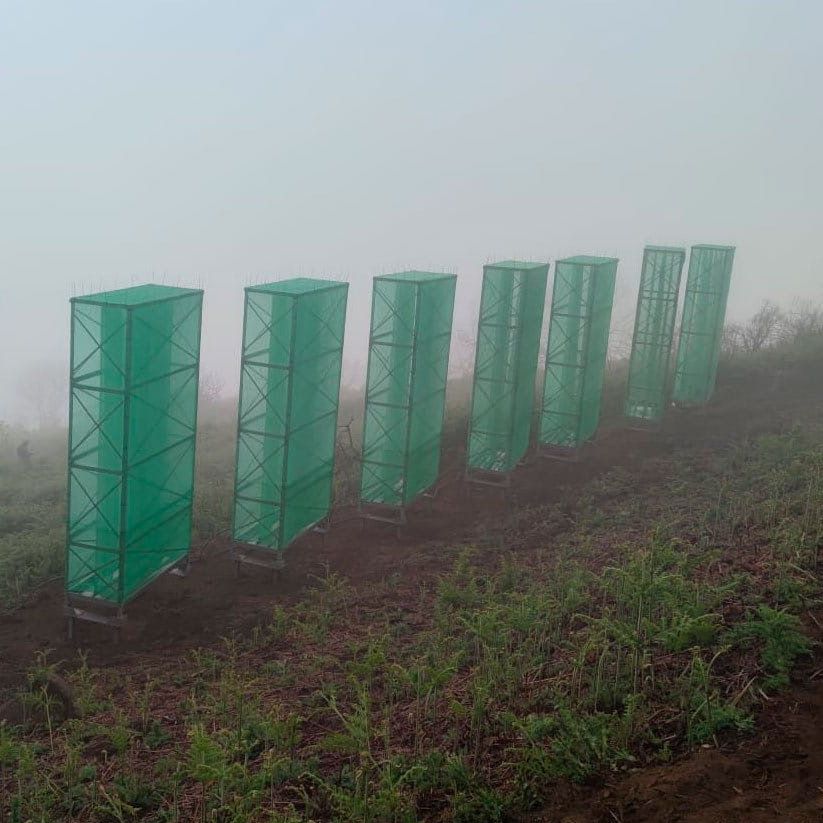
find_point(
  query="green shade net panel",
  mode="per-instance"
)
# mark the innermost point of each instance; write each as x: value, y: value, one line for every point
x: 701, y: 328
x: 654, y: 332
x: 581, y: 314
x: 135, y: 358
x: 505, y: 366
x: 289, y: 394
x: 406, y: 385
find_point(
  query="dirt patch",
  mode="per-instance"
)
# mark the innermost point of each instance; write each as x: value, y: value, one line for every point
x: 776, y: 776
x: 176, y: 614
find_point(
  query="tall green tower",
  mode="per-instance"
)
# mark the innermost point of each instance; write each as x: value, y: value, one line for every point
x: 576, y: 355
x: 701, y: 328
x: 654, y: 332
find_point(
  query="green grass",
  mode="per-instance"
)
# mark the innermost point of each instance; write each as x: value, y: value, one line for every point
x: 472, y: 694
x: 602, y: 634
x: 32, y: 515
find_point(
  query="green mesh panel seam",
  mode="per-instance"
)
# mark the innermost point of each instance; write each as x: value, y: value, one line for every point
x: 125, y: 461
x: 72, y: 367
x: 366, y: 393
x: 238, y: 435
x: 336, y: 413
x: 284, y: 472
x: 518, y: 340
x: 412, y: 389
x: 587, y: 363
x: 193, y: 462
x: 239, y: 413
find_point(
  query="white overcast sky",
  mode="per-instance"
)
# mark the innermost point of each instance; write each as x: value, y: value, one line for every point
x: 216, y: 144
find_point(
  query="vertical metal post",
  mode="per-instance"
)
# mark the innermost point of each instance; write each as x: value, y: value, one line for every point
x: 475, y: 370
x: 193, y: 463
x: 410, y: 399
x: 67, y: 552
x: 124, y: 462
x: 287, y: 423
x: 375, y: 286
x: 233, y: 548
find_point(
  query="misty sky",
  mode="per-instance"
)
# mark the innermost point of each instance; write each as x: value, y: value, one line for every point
x: 219, y: 144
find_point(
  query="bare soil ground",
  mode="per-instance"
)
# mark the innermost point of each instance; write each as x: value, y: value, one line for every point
x: 776, y: 774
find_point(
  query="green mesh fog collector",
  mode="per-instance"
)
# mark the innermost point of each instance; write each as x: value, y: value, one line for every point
x: 409, y: 345
x: 135, y: 358
x: 581, y: 313
x: 505, y: 367
x: 701, y: 327
x: 653, y: 332
x: 287, y: 421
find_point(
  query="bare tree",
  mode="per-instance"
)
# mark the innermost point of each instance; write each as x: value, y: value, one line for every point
x: 730, y: 342
x: 763, y: 329
x: 804, y: 320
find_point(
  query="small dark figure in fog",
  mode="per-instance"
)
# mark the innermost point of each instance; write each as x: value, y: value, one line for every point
x: 24, y: 453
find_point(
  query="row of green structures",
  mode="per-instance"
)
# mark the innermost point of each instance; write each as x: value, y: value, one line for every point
x: 134, y: 389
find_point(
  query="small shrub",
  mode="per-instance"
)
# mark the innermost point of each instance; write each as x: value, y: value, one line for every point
x: 781, y: 639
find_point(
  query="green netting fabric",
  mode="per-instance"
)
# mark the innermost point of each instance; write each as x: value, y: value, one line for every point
x: 135, y: 356
x: 289, y: 392
x: 576, y: 355
x: 406, y: 385
x: 508, y: 343
x: 654, y: 332
x: 701, y: 328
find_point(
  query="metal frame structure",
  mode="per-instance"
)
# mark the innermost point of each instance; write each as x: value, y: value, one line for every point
x: 134, y: 375
x: 653, y: 336
x: 505, y: 368
x: 701, y: 327
x: 409, y: 343
x: 291, y: 366
x: 582, y: 297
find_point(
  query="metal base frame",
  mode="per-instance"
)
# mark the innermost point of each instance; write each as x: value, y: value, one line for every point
x: 91, y: 610
x: 322, y: 527
x: 107, y: 613
x: 244, y: 554
x: 529, y: 458
x: 694, y: 408
x: 487, y: 477
x: 265, y: 557
x: 432, y: 492
x: 641, y: 424
x: 382, y: 513
x: 564, y: 454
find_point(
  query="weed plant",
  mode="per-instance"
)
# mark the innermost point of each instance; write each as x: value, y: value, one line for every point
x: 602, y: 650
